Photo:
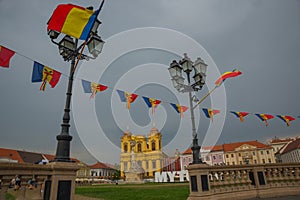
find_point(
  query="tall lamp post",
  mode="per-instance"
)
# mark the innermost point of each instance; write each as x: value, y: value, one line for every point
x: 71, y: 50
x: 199, y: 68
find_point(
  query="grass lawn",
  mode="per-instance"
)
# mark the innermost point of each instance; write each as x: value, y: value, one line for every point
x: 10, y: 197
x: 150, y: 191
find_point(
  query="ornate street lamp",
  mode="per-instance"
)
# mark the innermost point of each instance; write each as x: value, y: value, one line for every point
x: 199, y: 67
x: 71, y: 50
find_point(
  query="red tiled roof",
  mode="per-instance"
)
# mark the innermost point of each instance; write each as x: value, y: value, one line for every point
x: 211, y: 148
x: 233, y: 146
x: 100, y: 165
x: 292, y: 146
x: 10, y: 154
x: 277, y: 140
x: 27, y: 157
x: 217, y: 148
x: 188, y: 151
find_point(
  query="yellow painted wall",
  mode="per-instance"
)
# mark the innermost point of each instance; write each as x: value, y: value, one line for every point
x: 144, y: 155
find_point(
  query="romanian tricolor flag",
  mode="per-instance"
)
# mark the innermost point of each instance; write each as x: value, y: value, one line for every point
x: 73, y: 20
x: 240, y: 115
x: 286, y: 119
x: 151, y: 103
x: 127, y: 97
x: 5, y: 56
x: 44, y: 74
x: 226, y: 75
x: 265, y: 117
x: 209, y: 113
x: 91, y: 87
x: 180, y: 109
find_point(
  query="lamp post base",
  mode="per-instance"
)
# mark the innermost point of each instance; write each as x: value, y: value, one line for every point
x: 196, y: 152
x: 63, y: 148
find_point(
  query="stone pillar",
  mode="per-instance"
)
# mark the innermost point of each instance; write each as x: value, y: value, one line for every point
x: 63, y: 180
x: 199, y: 180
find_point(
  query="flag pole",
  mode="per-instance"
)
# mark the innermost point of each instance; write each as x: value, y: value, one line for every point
x: 85, y: 42
x: 203, y: 98
x: 79, y: 56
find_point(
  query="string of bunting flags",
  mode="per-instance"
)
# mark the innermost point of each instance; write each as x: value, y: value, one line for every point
x: 44, y: 74
x: 209, y: 113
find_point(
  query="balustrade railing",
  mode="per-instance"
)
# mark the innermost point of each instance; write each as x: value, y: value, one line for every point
x: 52, y: 181
x: 244, y: 181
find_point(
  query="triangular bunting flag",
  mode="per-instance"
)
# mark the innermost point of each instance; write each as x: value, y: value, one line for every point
x: 5, y: 56
x: 45, y: 75
x: 265, y: 117
x: 151, y: 103
x: 180, y: 109
x: 127, y: 97
x: 91, y: 87
x: 286, y: 119
x: 240, y: 115
x: 209, y: 113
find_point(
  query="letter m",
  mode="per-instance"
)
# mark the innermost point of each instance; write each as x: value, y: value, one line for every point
x: 161, y: 177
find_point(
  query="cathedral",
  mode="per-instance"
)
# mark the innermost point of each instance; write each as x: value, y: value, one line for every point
x: 147, y: 153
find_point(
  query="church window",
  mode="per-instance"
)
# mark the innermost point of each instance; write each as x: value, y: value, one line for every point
x: 125, y: 147
x: 153, y: 164
x: 139, y: 147
x: 153, y: 146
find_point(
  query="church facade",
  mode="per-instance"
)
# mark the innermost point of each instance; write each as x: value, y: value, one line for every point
x: 147, y: 150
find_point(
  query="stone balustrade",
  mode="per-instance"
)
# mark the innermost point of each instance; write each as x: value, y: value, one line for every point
x: 243, y: 181
x: 53, y: 181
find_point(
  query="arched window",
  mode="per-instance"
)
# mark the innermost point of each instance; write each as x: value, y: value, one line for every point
x: 139, y: 147
x: 125, y: 147
x: 153, y: 145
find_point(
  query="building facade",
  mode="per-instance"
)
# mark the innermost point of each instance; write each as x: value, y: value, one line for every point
x: 278, y: 146
x: 147, y: 152
x: 101, y: 170
x: 186, y: 158
x: 210, y: 155
x: 172, y: 163
x: 278, y: 143
x: 239, y: 153
x: 291, y: 152
x: 249, y: 152
x: 216, y: 155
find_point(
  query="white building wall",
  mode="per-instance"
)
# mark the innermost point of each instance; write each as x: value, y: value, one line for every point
x: 292, y: 156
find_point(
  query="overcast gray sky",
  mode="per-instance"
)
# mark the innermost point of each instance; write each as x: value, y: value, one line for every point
x: 259, y: 37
